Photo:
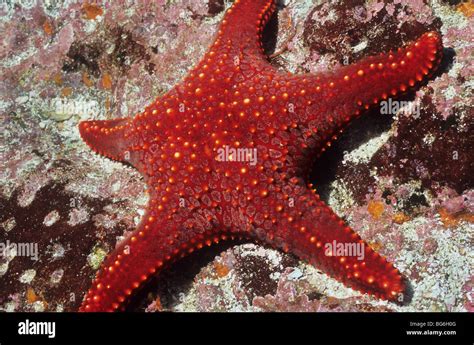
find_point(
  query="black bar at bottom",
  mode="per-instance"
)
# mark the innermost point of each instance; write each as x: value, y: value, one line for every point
x: 239, y: 328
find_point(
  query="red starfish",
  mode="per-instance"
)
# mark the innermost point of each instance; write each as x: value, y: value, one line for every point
x: 196, y: 147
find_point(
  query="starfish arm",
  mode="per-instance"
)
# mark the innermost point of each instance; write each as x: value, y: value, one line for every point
x: 236, y: 55
x: 250, y: 16
x: 326, y: 103
x: 155, y: 244
x: 313, y: 232
x: 120, y: 139
x: 106, y: 137
x: 127, y: 267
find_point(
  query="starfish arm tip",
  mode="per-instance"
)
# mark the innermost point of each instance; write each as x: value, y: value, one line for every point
x: 105, y: 137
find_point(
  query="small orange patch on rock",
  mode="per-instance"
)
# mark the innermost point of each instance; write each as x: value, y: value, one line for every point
x: 47, y: 27
x: 86, y: 80
x: 466, y: 8
x: 31, y: 296
x: 375, y: 209
x: 332, y: 300
x: 376, y: 245
x: 107, y: 81
x: 58, y: 80
x: 92, y: 10
x: 400, y: 218
x: 158, y: 305
x: 451, y: 220
x: 221, y: 269
x: 66, y: 92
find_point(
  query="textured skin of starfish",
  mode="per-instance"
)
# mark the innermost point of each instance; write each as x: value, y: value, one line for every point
x: 202, y: 191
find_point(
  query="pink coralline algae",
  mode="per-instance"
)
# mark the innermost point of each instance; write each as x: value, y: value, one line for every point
x: 403, y: 10
x: 451, y: 89
x: 287, y: 298
x: 468, y: 289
